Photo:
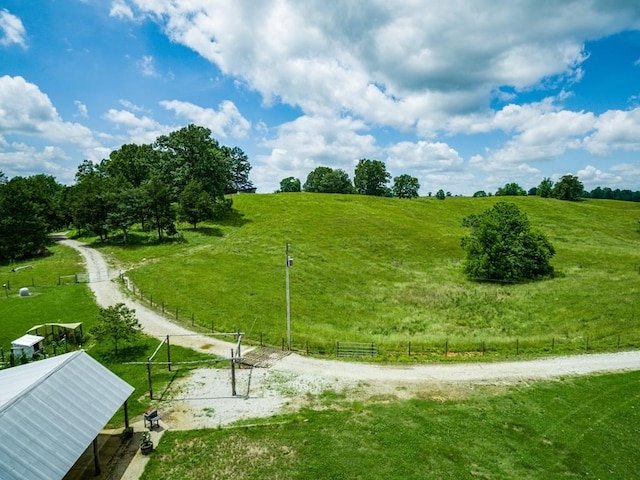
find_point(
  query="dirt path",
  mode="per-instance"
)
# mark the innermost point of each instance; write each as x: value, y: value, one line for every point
x: 204, y: 399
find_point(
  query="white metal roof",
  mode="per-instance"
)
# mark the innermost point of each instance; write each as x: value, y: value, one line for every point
x: 27, y: 340
x: 50, y: 412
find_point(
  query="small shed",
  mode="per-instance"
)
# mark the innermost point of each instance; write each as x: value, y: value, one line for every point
x: 27, y: 345
x: 54, y: 332
x: 52, y: 410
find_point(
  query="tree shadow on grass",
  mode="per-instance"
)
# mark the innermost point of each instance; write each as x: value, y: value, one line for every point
x: 126, y: 353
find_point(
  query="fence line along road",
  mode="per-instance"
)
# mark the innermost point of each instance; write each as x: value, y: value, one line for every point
x: 108, y: 293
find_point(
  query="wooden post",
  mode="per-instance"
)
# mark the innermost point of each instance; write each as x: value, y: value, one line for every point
x: 553, y: 343
x: 233, y: 375
x: 126, y: 413
x: 307, y: 347
x: 149, y: 379
x: 409, y: 348
x: 517, y: 346
x: 446, y: 347
x: 168, y: 354
x: 96, y: 456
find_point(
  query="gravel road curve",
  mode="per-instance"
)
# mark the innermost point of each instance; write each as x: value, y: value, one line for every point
x: 297, y: 375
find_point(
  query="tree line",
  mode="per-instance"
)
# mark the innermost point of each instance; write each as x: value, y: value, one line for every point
x: 184, y: 176
x: 370, y: 178
x: 569, y: 187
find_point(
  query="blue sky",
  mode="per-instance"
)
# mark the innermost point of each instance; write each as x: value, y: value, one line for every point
x: 465, y: 96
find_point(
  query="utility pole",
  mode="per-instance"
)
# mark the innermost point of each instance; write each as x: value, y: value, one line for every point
x: 288, y: 262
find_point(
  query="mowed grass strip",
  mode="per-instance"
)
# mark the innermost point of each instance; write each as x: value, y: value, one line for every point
x: 389, y: 271
x: 571, y: 428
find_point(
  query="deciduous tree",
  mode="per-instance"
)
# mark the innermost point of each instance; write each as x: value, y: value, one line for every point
x: 405, y: 186
x: 568, y: 188
x: 371, y: 178
x: 328, y: 180
x: 116, y: 323
x: 290, y: 184
x: 195, y: 204
x: 545, y: 188
x: 511, y: 189
x: 503, y: 247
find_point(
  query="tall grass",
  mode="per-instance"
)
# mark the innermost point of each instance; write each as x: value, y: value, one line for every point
x: 389, y: 271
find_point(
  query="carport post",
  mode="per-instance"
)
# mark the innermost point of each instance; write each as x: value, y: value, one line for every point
x: 126, y: 413
x: 96, y: 456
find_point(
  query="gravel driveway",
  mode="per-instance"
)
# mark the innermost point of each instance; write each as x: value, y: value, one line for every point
x: 204, y: 399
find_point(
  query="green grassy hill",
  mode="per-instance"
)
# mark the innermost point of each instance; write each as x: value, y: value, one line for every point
x: 389, y: 271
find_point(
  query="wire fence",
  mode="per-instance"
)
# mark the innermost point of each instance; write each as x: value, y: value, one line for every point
x: 410, y: 349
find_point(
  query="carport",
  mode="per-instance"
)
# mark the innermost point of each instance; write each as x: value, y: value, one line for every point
x: 52, y: 410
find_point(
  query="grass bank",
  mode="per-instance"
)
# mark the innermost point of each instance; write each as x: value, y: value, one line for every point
x: 388, y: 271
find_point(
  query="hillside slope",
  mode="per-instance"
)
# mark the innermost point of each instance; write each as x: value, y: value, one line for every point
x: 389, y: 271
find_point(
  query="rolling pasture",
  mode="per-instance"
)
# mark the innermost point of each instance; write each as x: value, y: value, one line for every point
x: 388, y: 271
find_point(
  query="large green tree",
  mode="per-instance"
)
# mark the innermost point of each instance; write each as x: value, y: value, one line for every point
x: 116, y: 323
x: 405, y: 186
x: 568, y: 188
x: 90, y: 199
x: 502, y: 246
x: 158, y: 203
x: 132, y: 164
x: 371, y: 178
x: 195, y: 204
x: 327, y: 180
x: 191, y: 153
x: 511, y: 189
x: 239, y: 168
x: 290, y: 184
x: 545, y: 188
x: 23, y: 227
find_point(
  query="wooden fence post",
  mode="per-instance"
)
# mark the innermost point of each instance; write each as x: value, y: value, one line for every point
x: 233, y: 375
x: 517, y: 346
x: 149, y: 379
x: 168, y: 354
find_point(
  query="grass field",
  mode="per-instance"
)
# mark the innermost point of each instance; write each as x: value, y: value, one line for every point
x: 389, y: 271
x: 73, y: 302
x: 568, y: 429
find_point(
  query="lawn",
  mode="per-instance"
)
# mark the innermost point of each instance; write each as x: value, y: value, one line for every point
x: 566, y: 429
x: 388, y: 271
x: 70, y: 302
